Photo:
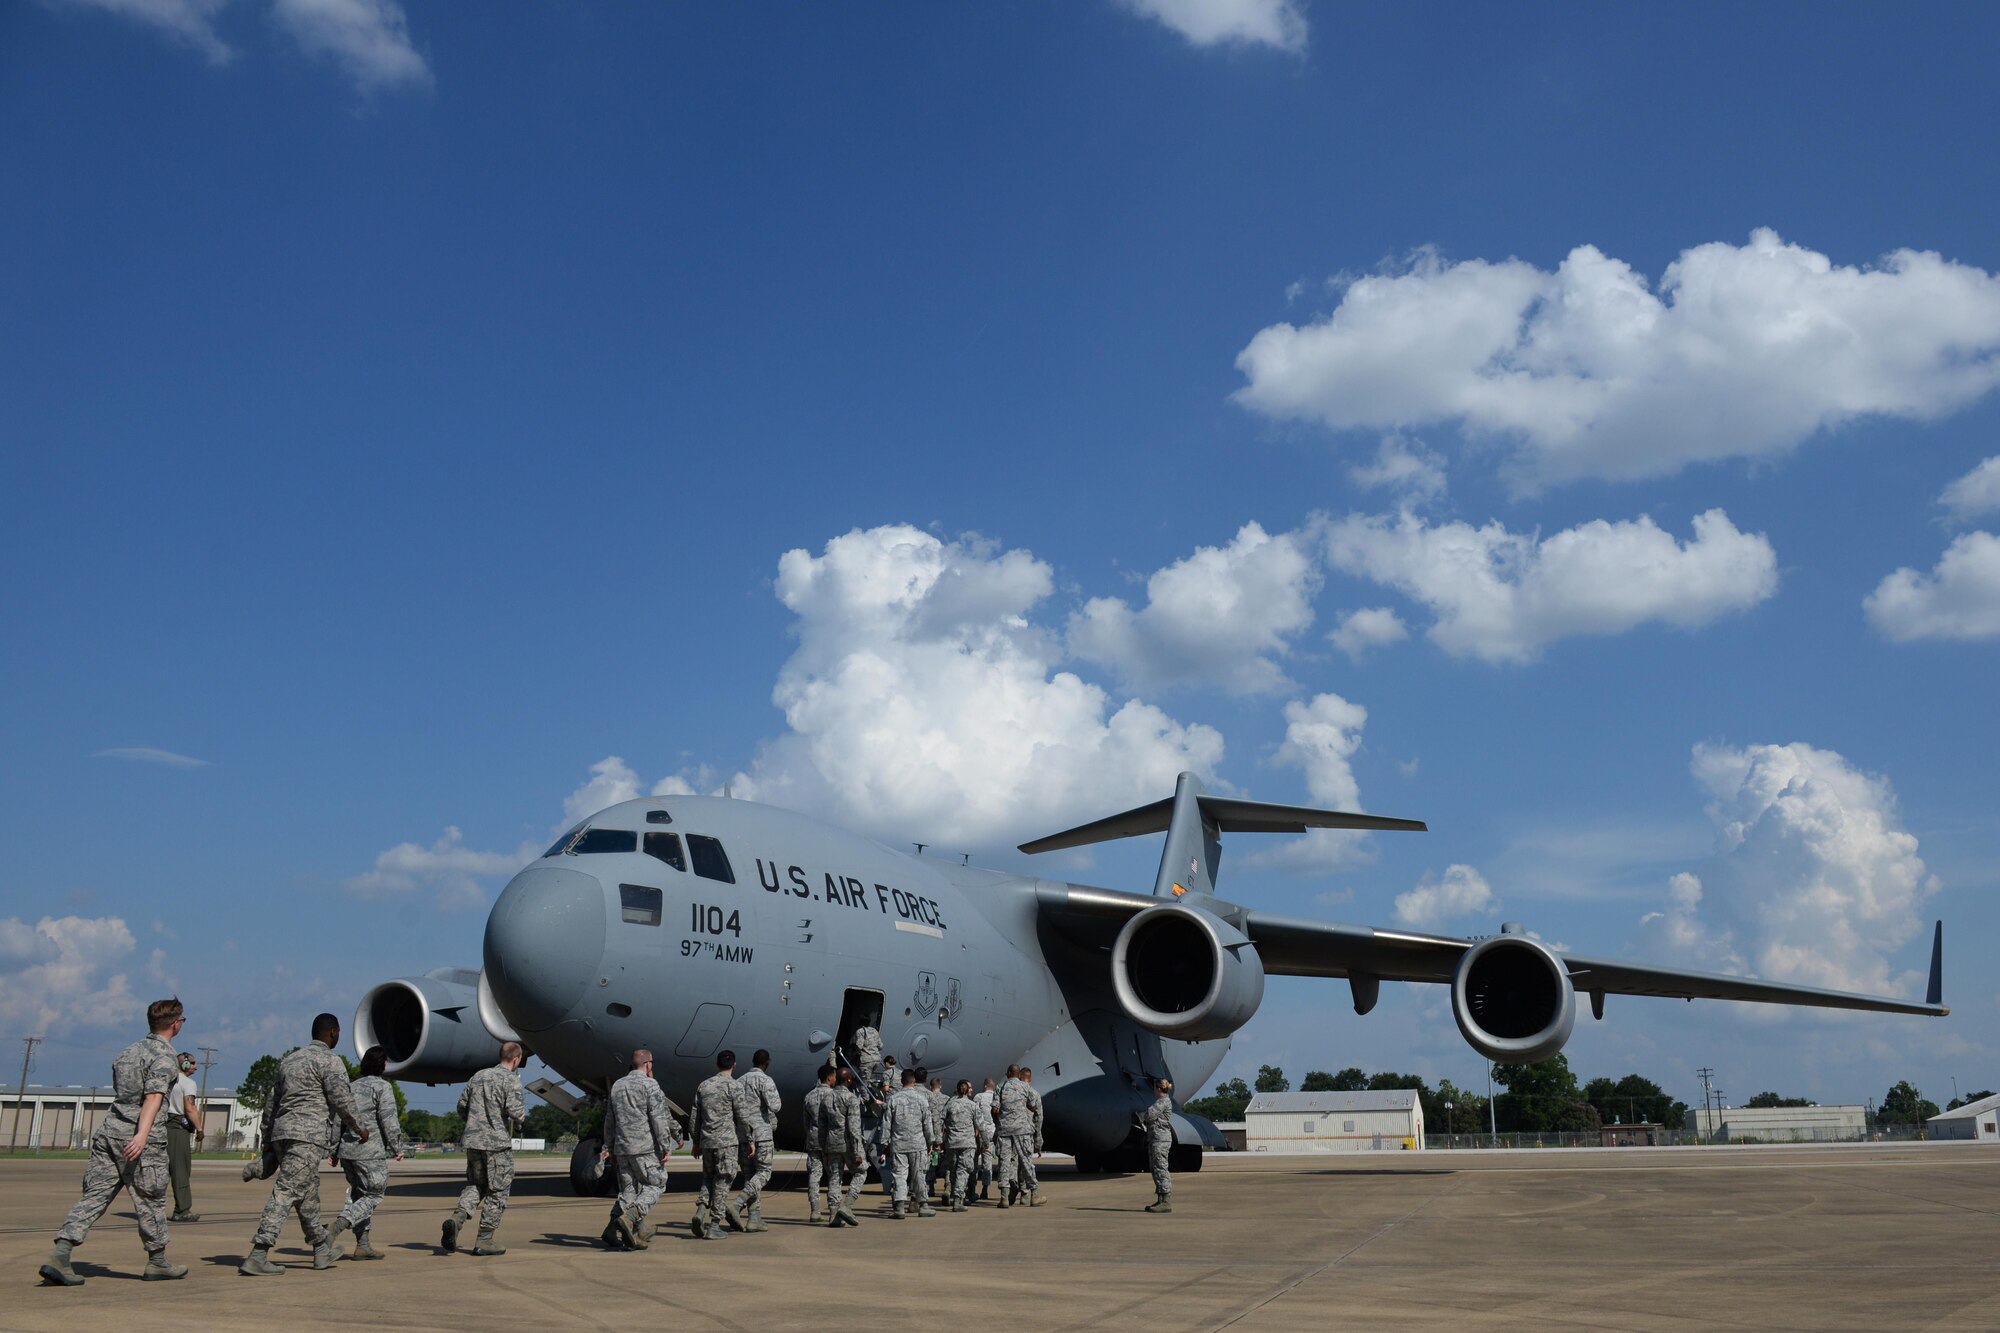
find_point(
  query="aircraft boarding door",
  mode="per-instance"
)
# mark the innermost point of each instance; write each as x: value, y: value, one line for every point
x: 861, y: 1009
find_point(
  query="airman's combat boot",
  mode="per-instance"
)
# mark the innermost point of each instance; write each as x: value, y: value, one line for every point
x: 159, y: 1269
x: 57, y: 1272
x: 487, y: 1246
x: 362, y: 1249
x: 259, y: 1263
x: 448, y: 1241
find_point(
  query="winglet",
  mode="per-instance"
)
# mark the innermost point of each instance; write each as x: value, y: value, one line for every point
x: 1935, y: 995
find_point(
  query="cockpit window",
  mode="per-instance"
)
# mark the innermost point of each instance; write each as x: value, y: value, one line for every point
x: 666, y: 847
x: 593, y: 840
x: 710, y: 861
x: 639, y: 905
x: 561, y: 844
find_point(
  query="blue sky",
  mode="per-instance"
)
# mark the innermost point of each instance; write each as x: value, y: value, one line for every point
x: 405, y: 412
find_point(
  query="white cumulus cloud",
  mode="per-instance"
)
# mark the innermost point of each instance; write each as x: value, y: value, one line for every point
x: 447, y: 868
x: 1959, y: 599
x: 61, y: 974
x: 190, y: 22
x: 1975, y: 493
x: 923, y: 702
x: 1371, y: 627
x: 1220, y: 616
x: 368, y: 39
x: 1745, y: 351
x: 1321, y: 739
x: 1813, y: 880
x: 1403, y: 467
x: 1503, y: 596
x: 1279, y: 23
x: 1460, y: 892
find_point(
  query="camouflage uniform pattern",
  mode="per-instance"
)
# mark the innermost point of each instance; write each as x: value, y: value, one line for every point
x: 817, y: 1107
x: 718, y: 1127
x: 841, y: 1144
x: 492, y: 1110
x: 989, y: 1141
x: 1020, y: 1136
x: 939, y: 1099
x: 310, y: 1093
x: 639, y: 1130
x: 1158, y: 1122
x: 907, y: 1136
x: 761, y: 1104
x: 366, y: 1165
x: 872, y: 1104
x: 963, y: 1137
x: 868, y: 1053
x: 145, y: 1067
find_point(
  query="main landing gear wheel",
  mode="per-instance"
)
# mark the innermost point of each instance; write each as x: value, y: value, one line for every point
x: 588, y: 1176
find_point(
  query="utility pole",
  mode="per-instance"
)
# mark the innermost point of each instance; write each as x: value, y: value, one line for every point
x: 1708, y: 1122
x: 207, y: 1059
x: 21, y: 1098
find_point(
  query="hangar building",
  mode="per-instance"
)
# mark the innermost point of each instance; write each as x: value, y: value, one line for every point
x: 56, y: 1119
x: 1294, y: 1122
x: 1978, y: 1120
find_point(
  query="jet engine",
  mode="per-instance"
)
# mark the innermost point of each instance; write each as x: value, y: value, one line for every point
x: 1185, y: 973
x: 430, y: 1026
x: 1513, y: 1000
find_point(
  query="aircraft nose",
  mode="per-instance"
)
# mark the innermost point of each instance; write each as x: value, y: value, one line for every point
x: 544, y: 942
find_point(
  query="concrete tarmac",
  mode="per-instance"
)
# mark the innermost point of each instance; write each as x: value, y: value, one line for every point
x: 1874, y: 1237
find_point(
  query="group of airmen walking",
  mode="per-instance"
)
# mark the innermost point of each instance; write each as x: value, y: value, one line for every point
x: 918, y: 1138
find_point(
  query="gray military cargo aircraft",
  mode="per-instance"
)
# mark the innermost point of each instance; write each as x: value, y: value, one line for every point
x: 682, y: 923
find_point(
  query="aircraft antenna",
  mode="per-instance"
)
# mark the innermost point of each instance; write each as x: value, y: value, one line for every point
x: 21, y: 1100
x: 920, y: 847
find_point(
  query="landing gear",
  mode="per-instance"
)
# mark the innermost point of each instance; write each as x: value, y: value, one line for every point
x: 1089, y: 1164
x: 1184, y: 1158
x: 588, y: 1176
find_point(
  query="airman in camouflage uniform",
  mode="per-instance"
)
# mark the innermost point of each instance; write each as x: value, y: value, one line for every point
x: 867, y: 1043
x: 129, y: 1151
x: 718, y: 1126
x: 988, y: 1151
x: 874, y: 1096
x: 492, y: 1109
x: 310, y: 1091
x: 640, y: 1131
x: 963, y: 1134
x: 761, y: 1104
x: 1020, y: 1124
x: 366, y: 1163
x: 841, y: 1145
x: 1158, y: 1122
x: 939, y: 1099
x: 908, y: 1137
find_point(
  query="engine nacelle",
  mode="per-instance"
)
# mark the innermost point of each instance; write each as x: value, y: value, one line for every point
x: 1186, y: 973
x: 1513, y: 1000
x: 430, y: 1026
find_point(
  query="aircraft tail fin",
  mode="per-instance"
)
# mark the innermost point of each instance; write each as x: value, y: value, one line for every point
x: 1194, y: 822
x: 1935, y: 994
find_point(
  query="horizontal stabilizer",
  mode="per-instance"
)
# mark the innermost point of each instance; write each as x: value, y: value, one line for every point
x: 1227, y: 814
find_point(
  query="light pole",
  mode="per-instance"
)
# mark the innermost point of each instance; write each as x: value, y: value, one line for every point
x: 1447, y: 1127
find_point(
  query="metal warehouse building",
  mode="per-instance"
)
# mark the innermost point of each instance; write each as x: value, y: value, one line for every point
x: 1780, y: 1124
x: 1978, y: 1120
x: 1282, y: 1122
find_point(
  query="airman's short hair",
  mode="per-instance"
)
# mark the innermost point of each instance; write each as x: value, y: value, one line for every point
x: 725, y: 1059
x: 641, y: 1058
x: 163, y: 1014
x: 909, y: 1077
x: 829, y: 1073
x: 762, y: 1059
x: 511, y: 1050
x: 323, y: 1024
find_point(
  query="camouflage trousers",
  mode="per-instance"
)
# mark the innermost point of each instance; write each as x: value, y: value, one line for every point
x: 1017, y: 1162
x: 297, y: 1189
x: 1158, y: 1152
x: 957, y: 1171
x: 842, y: 1176
x: 107, y: 1172
x: 984, y: 1167
x: 641, y: 1182
x: 489, y: 1177
x: 908, y: 1168
x: 718, y: 1168
x: 367, y: 1182
x: 753, y: 1173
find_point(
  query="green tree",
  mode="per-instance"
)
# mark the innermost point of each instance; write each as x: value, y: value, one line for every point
x: 1968, y: 1099
x: 1227, y: 1102
x: 1270, y: 1078
x: 1467, y: 1114
x: 1634, y: 1101
x: 1350, y: 1079
x: 254, y: 1089
x: 1773, y: 1099
x: 1317, y: 1080
x: 1543, y: 1098
x: 1904, y: 1105
x: 546, y: 1122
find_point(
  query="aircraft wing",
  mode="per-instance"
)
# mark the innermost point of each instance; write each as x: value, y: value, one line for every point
x: 1294, y: 946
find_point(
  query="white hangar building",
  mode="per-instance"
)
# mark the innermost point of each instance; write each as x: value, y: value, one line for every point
x: 1299, y: 1122
x: 1978, y: 1120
